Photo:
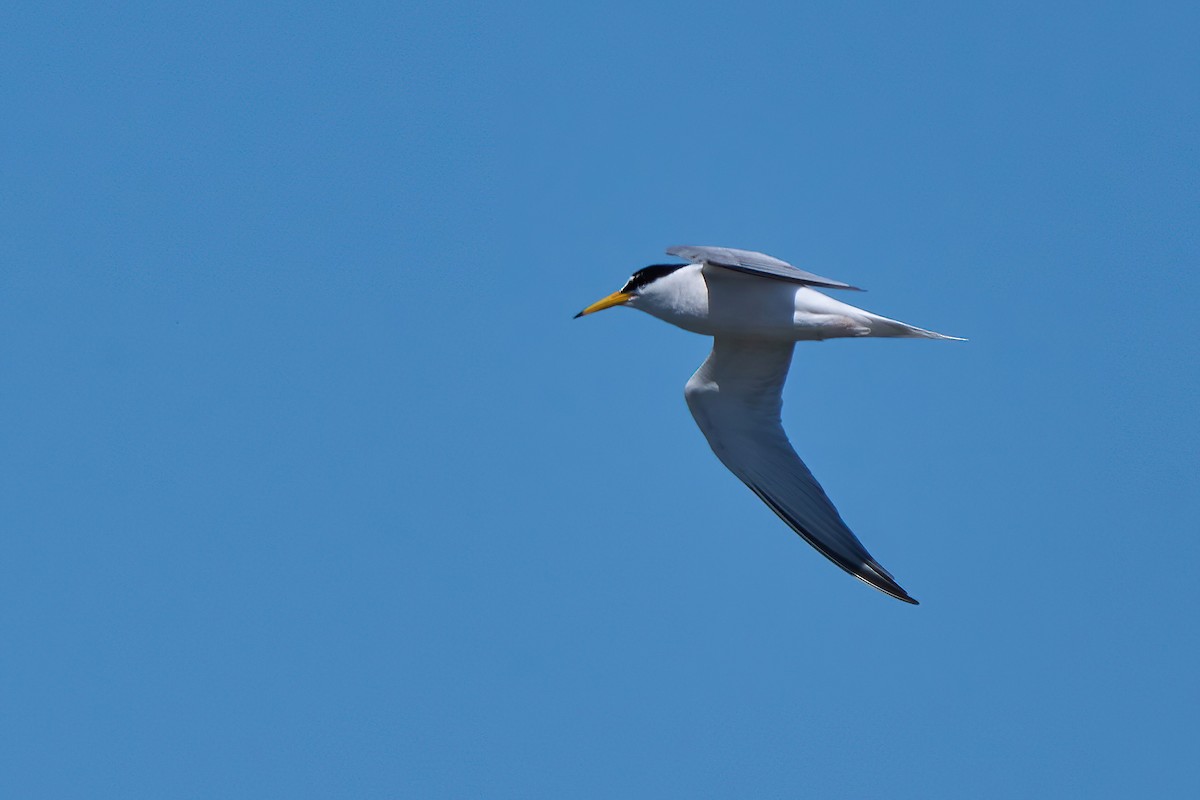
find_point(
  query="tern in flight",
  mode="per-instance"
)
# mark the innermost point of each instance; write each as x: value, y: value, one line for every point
x: 756, y: 308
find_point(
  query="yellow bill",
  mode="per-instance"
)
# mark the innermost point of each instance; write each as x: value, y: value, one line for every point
x: 614, y: 299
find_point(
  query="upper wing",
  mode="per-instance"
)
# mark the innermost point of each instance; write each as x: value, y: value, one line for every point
x: 736, y: 397
x: 753, y: 263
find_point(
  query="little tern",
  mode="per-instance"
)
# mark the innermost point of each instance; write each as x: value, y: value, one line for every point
x: 756, y: 308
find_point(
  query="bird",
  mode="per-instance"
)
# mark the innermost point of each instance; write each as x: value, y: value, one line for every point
x: 756, y: 307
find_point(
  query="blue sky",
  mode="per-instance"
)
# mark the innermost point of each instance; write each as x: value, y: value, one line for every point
x: 311, y: 487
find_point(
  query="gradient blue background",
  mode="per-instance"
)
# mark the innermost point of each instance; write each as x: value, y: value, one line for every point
x: 311, y: 487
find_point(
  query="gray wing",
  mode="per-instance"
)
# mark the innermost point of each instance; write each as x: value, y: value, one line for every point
x: 753, y: 263
x: 736, y: 397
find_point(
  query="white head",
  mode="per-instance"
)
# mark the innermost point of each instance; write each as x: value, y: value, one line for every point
x: 651, y: 289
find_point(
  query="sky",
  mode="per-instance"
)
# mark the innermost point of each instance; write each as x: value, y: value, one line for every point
x: 311, y: 487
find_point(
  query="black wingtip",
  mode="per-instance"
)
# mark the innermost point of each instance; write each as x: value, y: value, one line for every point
x: 870, y: 572
x: 879, y: 578
x: 888, y: 587
x: 577, y: 316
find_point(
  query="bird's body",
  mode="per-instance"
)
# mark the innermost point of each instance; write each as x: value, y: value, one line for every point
x: 714, y: 301
x: 756, y: 308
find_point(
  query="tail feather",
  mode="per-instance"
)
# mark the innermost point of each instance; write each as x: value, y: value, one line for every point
x: 882, y: 326
x: 924, y: 334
